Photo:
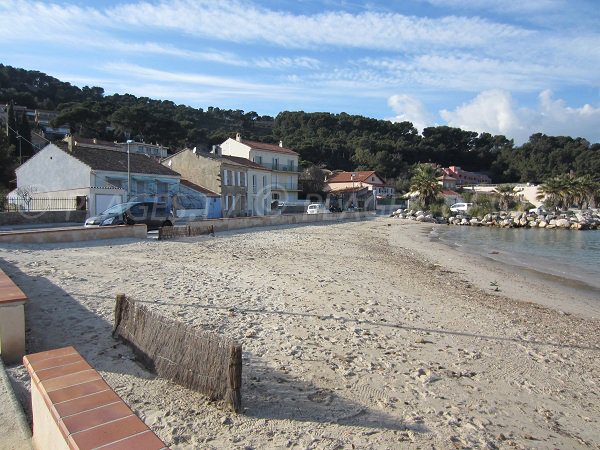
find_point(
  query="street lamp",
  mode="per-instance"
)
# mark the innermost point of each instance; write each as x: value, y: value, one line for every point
x: 129, y: 141
x: 353, y: 191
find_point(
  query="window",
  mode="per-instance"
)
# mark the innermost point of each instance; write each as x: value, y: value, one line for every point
x: 162, y: 188
x: 237, y: 178
x: 114, y: 182
x: 140, y: 186
x: 254, y: 186
x: 264, y: 181
x: 275, y: 163
x: 291, y: 165
x: 242, y: 179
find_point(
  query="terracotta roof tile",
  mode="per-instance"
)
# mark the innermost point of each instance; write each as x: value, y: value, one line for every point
x: 245, y: 162
x: 346, y: 177
x: 269, y: 147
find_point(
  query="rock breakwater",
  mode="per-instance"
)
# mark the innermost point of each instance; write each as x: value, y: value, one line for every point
x: 572, y: 219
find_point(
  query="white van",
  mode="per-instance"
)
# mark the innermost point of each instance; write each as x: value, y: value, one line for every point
x: 461, y: 207
x: 316, y: 208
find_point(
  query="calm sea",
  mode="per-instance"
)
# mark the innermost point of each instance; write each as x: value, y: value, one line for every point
x: 572, y: 255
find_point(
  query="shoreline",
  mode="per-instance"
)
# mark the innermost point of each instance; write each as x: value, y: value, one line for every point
x: 363, y: 334
x: 559, y: 280
x: 527, y: 284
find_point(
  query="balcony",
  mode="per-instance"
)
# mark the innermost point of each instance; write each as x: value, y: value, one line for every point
x: 282, y: 168
x: 285, y: 187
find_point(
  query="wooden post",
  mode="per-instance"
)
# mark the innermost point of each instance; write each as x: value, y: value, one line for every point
x: 121, y: 299
x: 234, y: 378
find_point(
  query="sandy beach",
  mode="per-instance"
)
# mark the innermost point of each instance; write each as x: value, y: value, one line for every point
x: 355, y: 335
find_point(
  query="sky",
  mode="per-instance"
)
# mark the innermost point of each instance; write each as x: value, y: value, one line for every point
x: 511, y: 67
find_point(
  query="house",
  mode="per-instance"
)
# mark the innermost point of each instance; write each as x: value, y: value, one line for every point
x: 196, y: 202
x: 106, y: 177
x: 369, y: 179
x: 449, y: 190
x: 259, y: 186
x: 155, y: 150
x: 463, y: 177
x: 281, y: 161
x: 222, y: 176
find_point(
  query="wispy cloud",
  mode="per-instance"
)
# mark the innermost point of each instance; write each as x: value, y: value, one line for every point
x: 245, y: 22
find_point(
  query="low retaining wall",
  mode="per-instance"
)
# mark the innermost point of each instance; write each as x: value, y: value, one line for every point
x: 41, y: 217
x: 207, y: 362
x: 75, y: 409
x: 12, y: 320
x: 209, y: 226
x: 73, y: 234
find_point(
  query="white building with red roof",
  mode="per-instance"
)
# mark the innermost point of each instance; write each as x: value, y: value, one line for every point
x: 280, y: 160
x: 355, y: 180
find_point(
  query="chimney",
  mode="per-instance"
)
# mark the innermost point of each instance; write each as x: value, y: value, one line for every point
x: 281, y: 143
x: 238, y: 137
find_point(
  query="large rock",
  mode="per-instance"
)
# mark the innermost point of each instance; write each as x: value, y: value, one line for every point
x: 563, y: 223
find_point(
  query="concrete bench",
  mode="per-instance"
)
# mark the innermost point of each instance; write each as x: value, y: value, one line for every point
x: 12, y: 320
x: 74, y: 408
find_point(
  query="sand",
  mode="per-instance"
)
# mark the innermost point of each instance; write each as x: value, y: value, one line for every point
x: 355, y: 335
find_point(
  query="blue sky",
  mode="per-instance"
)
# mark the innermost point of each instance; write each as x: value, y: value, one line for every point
x: 506, y: 67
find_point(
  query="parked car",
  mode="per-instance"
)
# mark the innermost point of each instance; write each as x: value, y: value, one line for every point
x: 316, y: 208
x: 538, y: 210
x: 153, y: 215
x: 461, y: 207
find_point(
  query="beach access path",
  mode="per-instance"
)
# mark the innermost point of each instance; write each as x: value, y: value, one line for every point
x: 363, y: 334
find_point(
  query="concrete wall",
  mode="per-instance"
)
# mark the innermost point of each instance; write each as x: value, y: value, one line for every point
x: 73, y: 234
x: 41, y: 217
x: 204, y: 171
x: 284, y: 219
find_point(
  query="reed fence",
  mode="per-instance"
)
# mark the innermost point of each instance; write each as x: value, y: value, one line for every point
x: 207, y: 362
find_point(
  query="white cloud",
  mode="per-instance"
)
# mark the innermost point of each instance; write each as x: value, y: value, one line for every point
x: 528, y: 6
x: 246, y: 22
x: 495, y: 111
x: 408, y: 108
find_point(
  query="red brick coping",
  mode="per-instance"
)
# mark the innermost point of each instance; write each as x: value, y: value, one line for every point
x: 87, y: 412
x: 9, y: 291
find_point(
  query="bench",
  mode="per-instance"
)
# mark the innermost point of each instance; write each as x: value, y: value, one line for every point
x: 12, y: 320
x: 74, y: 408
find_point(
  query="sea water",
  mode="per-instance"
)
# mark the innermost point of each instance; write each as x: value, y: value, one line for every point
x: 568, y: 254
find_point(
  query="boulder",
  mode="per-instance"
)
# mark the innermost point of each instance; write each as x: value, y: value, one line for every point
x: 563, y: 223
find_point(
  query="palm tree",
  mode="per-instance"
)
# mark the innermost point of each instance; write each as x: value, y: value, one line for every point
x: 584, y: 189
x: 506, y: 193
x: 424, y: 181
x: 555, y: 191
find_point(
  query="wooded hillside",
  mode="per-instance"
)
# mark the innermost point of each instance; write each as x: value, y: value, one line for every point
x: 336, y: 141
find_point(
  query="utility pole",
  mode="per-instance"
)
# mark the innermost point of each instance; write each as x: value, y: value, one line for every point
x: 20, y: 156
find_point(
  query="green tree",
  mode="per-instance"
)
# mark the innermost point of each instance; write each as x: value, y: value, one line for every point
x: 25, y: 148
x: 12, y: 125
x: 7, y: 162
x: 424, y: 181
x: 312, y: 181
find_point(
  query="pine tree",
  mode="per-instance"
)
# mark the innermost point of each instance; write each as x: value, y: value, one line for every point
x: 7, y: 162
x: 12, y: 125
x: 25, y: 149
